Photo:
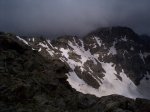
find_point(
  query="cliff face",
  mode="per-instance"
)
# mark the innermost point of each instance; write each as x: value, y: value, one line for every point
x: 37, y: 76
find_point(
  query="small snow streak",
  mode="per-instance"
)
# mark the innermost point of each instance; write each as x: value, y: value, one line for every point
x: 39, y: 50
x: 23, y: 40
x: 124, y: 39
x: 33, y: 39
x: 142, y: 57
x: 50, y: 51
x: 98, y: 41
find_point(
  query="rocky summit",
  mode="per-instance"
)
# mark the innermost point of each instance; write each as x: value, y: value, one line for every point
x: 108, y: 70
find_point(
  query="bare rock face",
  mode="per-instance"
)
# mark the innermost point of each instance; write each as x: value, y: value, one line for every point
x: 42, y: 75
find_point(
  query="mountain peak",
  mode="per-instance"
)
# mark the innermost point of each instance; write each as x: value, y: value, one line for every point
x: 113, y: 32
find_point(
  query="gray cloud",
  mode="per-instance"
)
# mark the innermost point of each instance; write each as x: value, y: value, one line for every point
x: 58, y: 17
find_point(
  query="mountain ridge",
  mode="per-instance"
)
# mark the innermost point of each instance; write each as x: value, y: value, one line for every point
x: 32, y: 83
x: 91, y: 58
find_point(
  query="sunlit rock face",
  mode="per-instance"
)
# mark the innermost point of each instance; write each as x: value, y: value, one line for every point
x: 106, y: 61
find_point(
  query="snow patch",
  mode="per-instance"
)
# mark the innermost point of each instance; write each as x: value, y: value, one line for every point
x: 112, y: 49
x: 124, y: 39
x: 49, y: 42
x: 132, y: 49
x: 43, y: 45
x: 144, y: 86
x: 112, y: 86
x: 80, y: 85
x: 33, y: 49
x: 39, y: 50
x: 85, y: 54
x: 23, y: 40
x: 94, y: 45
x: 72, y: 64
x: 142, y: 56
x: 64, y: 52
x: 50, y: 51
x: 98, y: 41
x: 96, y: 56
x: 33, y: 39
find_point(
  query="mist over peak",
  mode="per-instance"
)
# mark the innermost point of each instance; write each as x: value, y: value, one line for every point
x: 54, y: 17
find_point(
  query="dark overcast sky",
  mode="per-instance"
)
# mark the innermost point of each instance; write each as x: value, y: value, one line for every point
x: 77, y: 17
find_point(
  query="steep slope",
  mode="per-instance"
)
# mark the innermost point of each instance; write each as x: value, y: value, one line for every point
x: 106, y: 61
x: 31, y: 83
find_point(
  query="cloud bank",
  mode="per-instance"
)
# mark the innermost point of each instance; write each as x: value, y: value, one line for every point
x: 76, y: 17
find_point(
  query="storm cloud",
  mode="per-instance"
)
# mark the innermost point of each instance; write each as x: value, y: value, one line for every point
x: 75, y: 17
